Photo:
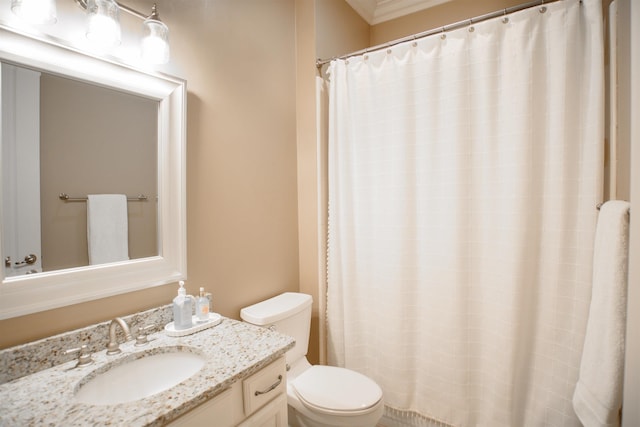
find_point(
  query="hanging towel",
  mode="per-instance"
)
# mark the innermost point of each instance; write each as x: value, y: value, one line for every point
x: 597, y: 398
x: 107, y: 228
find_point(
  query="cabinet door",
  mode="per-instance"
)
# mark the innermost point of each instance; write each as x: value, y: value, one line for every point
x: 217, y: 412
x: 273, y: 414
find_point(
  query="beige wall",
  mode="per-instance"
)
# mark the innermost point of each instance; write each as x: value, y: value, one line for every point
x: 238, y: 57
x: 117, y: 159
x: 239, y: 61
x: 630, y: 132
x: 340, y: 29
x: 307, y: 166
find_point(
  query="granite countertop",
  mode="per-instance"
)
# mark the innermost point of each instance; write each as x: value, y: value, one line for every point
x: 233, y: 350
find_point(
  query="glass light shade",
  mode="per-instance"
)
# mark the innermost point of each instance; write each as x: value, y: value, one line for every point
x: 155, y: 42
x: 35, y: 11
x: 104, y: 24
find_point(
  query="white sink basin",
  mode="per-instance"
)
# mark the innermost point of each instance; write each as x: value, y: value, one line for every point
x: 140, y: 378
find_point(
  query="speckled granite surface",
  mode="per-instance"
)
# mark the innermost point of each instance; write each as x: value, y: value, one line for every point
x: 233, y: 350
x: 35, y: 356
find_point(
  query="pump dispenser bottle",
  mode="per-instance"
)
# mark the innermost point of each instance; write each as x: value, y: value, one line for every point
x: 202, y: 307
x: 182, y: 309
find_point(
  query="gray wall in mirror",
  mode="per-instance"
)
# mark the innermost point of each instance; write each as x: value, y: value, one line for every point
x: 94, y: 140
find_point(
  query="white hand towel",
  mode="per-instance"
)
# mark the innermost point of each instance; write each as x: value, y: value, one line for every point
x: 597, y: 398
x: 107, y: 228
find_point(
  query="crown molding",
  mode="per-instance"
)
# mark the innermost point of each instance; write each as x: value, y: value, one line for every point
x: 378, y: 11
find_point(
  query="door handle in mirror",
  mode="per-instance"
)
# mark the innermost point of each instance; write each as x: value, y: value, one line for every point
x: 29, y: 259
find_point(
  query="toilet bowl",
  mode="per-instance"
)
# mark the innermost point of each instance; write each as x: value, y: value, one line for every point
x: 330, y: 396
x: 318, y: 396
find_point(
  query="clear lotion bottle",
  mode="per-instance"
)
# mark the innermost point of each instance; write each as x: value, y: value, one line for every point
x: 182, y: 309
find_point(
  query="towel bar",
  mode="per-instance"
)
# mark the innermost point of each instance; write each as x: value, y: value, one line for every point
x: 67, y: 198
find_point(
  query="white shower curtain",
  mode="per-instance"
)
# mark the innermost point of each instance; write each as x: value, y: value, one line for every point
x: 464, y: 174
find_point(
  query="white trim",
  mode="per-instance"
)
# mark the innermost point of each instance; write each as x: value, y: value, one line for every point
x: 365, y: 8
x: 33, y: 293
x: 613, y: 100
x: 378, y: 11
x: 391, y: 9
x: 630, y: 407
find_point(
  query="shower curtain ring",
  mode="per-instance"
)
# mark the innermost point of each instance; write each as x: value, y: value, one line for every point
x: 505, y: 20
x: 543, y: 8
x: 443, y: 36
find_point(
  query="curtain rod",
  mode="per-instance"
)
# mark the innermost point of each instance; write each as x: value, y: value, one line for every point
x: 450, y: 27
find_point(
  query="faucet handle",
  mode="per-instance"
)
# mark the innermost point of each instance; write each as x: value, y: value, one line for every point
x: 84, y: 355
x: 142, y: 338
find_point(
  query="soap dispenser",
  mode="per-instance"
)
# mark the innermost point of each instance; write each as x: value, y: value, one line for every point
x: 202, y: 307
x: 182, y: 309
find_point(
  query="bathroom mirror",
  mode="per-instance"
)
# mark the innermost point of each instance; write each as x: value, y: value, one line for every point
x: 64, y: 139
x: 164, y: 95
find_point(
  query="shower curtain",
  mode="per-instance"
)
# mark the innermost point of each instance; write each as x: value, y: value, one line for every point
x: 464, y: 173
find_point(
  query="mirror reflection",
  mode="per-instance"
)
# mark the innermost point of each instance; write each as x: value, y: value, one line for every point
x: 71, y: 137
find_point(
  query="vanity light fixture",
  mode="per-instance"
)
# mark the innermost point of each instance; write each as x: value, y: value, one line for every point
x: 155, y: 41
x: 103, y: 26
x: 35, y: 11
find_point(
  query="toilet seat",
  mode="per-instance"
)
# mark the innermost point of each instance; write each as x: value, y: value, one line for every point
x: 336, y: 391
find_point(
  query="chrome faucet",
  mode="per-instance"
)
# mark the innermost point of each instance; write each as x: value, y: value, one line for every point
x: 113, y: 347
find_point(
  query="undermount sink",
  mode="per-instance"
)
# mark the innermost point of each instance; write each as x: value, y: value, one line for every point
x: 140, y: 377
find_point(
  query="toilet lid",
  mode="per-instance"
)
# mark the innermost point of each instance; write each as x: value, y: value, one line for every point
x: 331, y: 389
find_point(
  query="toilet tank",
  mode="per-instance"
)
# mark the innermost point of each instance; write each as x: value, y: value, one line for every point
x: 288, y: 313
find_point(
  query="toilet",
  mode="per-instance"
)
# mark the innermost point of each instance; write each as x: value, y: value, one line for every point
x: 317, y: 396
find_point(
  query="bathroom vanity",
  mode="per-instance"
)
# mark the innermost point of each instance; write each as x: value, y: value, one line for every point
x: 258, y: 400
x: 242, y: 380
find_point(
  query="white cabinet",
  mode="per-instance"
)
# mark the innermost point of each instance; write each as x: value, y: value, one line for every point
x: 273, y: 414
x: 259, y: 400
x: 215, y: 412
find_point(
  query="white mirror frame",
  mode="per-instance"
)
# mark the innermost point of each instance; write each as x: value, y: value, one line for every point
x: 27, y: 294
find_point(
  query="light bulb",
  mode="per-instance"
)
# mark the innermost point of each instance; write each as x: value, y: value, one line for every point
x: 35, y: 11
x: 155, y: 42
x: 155, y: 50
x: 103, y: 23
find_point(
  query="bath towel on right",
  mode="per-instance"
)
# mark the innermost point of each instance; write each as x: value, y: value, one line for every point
x: 597, y: 398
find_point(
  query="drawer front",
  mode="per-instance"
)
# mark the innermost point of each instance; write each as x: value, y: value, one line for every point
x: 264, y: 385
